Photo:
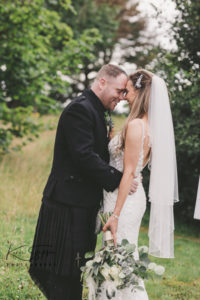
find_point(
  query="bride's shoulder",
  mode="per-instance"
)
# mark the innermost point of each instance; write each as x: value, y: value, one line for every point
x: 134, y: 129
x: 136, y: 123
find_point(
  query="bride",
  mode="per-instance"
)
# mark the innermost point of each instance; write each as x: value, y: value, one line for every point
x: 147, y: 138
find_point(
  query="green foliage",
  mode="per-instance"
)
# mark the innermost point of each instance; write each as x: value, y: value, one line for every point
x: 16, y: 122
x: 186, y: 32
x: 118, y: 265
x: 112, y: 19
x: 100, y: 15
x: 180, y: 68
x: 30, y: 39
x: 36, y: 49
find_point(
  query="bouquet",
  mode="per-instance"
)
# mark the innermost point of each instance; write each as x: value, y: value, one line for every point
x: 116, y: 267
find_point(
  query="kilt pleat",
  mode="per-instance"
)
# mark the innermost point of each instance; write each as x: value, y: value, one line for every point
x: 62, y: 233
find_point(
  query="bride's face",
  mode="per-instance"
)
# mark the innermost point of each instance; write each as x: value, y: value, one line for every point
x: 131, y: 93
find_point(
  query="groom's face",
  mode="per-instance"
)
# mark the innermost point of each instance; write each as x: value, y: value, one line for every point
x: 112, y: 90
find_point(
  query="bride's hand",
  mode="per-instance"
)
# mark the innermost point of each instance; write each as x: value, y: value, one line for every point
x: 112, y: 225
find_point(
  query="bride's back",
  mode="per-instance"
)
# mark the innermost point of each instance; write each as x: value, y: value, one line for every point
x: 146, y: 144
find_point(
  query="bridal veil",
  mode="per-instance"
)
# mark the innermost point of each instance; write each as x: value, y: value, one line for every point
x: 163, y: 187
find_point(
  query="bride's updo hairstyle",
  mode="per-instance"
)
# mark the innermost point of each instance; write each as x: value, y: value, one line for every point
x: 141, y: 81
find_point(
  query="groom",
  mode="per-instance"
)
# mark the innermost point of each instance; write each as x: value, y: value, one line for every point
x: 74, y: 190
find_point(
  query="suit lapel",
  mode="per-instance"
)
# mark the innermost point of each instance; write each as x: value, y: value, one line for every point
x: 96, y: 103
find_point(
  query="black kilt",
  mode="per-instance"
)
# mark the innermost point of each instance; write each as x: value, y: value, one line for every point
x: 63, y: 235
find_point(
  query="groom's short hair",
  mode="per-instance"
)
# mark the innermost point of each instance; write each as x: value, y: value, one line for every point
x: 110, y: 70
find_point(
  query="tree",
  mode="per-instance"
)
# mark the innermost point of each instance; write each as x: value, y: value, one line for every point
x: 35, y: 48
x: 112, y: 19
x: 181, y: 70
x: 186, y: 32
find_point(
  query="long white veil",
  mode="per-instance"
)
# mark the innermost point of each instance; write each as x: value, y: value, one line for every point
x: 163, y: 187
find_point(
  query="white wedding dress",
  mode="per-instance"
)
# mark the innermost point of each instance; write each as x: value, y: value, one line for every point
x: 130, y: 216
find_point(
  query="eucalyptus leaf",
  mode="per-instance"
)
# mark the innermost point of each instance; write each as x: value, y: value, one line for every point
x: 138, y: 287
x: 124, y: 242
x: 89, y: 254
x: 130, y: 248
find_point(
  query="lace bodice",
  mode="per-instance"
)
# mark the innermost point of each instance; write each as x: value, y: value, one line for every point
x: 117, y: 155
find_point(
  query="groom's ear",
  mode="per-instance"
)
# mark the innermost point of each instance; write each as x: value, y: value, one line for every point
x: 102, y: 83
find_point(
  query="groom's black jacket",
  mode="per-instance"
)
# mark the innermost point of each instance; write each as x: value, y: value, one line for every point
x: 80, y: 168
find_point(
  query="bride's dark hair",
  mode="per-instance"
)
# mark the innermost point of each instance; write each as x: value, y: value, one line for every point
x: 141, y: 81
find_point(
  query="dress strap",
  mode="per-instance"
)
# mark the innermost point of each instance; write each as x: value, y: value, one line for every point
x: 143, y: 133
x: 142, y: 144
x: 141, y: 156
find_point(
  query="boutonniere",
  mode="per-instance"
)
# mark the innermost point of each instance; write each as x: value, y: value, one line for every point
x: 109, y: 123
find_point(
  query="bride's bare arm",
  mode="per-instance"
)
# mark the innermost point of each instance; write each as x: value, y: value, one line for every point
x: 131, y: 156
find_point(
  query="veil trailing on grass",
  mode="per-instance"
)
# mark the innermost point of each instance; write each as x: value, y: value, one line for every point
x: 163, y: 187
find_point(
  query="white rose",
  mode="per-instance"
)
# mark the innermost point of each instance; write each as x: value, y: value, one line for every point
x: 152, y: 266
x: 118, y: 282
x: 89, y: 263
x: 105, y: 272
x: 122, y: 275
x: 97, y: 259
x: 130, y: 269
x: 144, y: 249
x: 159, y: 270
x: 114, y: 272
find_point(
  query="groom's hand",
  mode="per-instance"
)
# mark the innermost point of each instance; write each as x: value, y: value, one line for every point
x: 134, y: 186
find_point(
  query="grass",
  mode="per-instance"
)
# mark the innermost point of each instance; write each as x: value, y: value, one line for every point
x: 22, y: 176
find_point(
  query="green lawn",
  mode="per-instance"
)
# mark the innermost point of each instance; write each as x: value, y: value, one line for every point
x: 22, y: 178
